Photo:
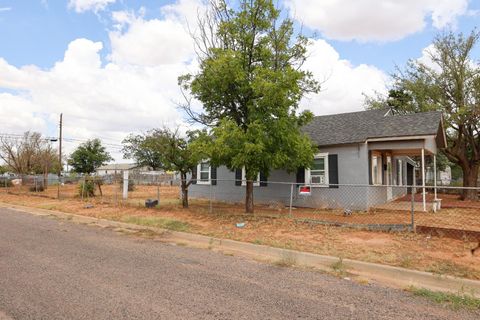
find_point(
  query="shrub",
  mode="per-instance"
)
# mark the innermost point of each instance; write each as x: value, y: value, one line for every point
x: 86, y: 189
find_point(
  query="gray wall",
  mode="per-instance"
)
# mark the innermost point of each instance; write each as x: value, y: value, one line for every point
x: 352, y: 169
x: 353, y: 193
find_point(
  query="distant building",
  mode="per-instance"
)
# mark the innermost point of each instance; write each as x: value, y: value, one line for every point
x: 119, y: 168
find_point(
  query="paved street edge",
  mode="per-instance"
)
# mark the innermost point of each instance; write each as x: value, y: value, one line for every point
x: 388, y: 275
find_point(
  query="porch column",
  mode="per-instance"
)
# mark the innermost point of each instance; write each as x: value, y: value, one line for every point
x: 423, y: 181
x: 435, y: 175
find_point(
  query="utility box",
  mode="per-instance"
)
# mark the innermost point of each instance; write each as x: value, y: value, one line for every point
x: 151, y: 203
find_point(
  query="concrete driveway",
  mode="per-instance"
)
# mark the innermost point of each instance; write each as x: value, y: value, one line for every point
x: 52, y: 269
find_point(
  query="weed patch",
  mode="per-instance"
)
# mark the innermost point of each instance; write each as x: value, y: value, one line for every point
x: 455, y: 301
x: 287, y: 260
x: 339, y: 268
x: 157, y: 222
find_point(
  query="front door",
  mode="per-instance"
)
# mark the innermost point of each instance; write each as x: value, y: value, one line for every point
x: 410, y: 175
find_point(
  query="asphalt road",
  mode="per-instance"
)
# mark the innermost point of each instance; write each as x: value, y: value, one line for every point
x: 51, y: 269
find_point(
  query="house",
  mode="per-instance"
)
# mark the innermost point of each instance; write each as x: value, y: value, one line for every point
x: 119, y: 168
x: 364, y: 159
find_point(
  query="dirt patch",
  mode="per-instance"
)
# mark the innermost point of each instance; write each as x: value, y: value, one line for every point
x: 274, y: 227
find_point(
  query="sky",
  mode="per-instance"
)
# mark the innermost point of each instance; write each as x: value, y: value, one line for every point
x: 111, y: 66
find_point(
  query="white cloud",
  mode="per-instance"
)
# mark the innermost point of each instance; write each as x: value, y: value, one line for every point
x: 136, y: 88
x: 375, y: 20
x: 344, y: 84
x: 87, y: 5
x: 97, y: 101
x: 156, y: 41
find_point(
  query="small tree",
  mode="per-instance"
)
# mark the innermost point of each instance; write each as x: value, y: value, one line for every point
x: 173, y: 153
x: 144, y: 149
x: 29, y: 154
x: 89, y: 156
x: 250, y: 83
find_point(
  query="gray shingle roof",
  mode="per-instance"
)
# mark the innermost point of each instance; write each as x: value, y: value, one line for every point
x: 357, y: 127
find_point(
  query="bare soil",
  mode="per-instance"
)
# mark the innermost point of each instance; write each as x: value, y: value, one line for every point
x: 274, y: 226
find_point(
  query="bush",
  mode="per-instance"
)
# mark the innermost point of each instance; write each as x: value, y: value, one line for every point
x: 86, y: 188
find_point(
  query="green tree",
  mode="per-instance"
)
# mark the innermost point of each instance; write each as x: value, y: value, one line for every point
x: 166, y: 149
x: 250, y: 83
x: 144, y: 149
x: 450, y: 83
x: 89, y: 156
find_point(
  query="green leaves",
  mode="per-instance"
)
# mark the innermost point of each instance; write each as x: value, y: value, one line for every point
x: 250, y: 83
x: 89, y: 156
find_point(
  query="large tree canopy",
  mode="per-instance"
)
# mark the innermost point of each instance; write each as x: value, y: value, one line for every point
x: 145, y: 149
x: 89, y: 156
x: 448, y: 82
x: 250, y: 83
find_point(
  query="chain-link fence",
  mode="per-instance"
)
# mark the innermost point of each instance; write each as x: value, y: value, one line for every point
x: 440, y: 211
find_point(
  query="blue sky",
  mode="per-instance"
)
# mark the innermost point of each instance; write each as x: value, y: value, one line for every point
x: 111, y: 65
x: 37, y: 32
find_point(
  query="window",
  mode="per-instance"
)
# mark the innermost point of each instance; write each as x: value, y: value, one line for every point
x: 317, y: 175
x: 376, y: 169
x: 400, y: 172
x: 256, y: 183
x: 203, y: 173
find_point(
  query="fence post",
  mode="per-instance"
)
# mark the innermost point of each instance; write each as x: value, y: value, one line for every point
x: 413, y: 210
x: 158, y: 189
x: 83, y: 186
x: 35, y: 180
x: 291, y: 201
x: 116, y: 187
x: 210, y: 207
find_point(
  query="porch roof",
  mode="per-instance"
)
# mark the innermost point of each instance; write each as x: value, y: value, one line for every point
x: 358, y: 127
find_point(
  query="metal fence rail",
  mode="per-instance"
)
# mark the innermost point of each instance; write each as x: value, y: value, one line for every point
x: 439, y: 211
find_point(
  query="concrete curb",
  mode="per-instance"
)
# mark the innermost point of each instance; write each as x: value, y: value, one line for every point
x: 388, y: 275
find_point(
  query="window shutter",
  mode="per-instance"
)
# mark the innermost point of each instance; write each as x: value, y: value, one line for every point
x: 213, y: 175
x: 194, y: 175
x: 238, y: 177
x: 301, y: 175
x: 263, y: 179
x: 333, y: 170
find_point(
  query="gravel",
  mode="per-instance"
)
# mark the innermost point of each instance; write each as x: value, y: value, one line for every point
x: 52, y: 269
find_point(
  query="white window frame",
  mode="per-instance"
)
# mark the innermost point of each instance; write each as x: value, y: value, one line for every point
x: 199, y: 166
x: 379, y: 170
x: 244, y: 179
x: 308, y: 174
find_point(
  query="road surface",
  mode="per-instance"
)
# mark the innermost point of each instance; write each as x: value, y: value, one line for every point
x: 52, y: 269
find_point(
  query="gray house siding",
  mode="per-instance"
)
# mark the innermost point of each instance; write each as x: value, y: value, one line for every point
x: 352, y: 170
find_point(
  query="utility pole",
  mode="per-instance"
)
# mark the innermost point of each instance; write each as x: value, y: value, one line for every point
x: 60, y: 155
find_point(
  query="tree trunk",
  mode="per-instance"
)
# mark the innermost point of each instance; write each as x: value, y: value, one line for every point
x: 249, y: 197
x: 184, y: 190
x: 470, y: 178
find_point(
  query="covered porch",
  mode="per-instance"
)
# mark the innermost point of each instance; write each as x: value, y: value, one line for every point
x: 395, y: 166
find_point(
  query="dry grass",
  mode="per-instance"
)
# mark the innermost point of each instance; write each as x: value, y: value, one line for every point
x: 273, y: 227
